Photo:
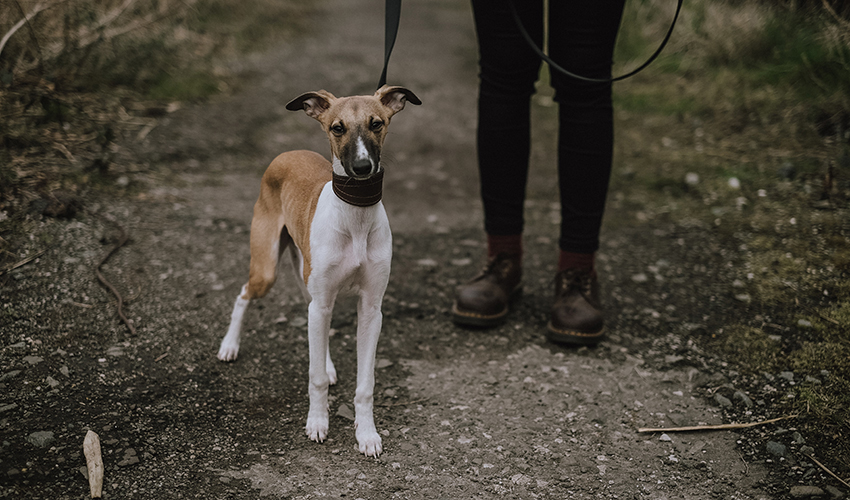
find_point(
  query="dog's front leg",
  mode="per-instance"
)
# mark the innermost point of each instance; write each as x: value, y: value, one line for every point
x: 369, y: 321
x: 318, y: 327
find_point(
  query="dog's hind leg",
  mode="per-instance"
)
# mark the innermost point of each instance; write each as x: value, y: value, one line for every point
x: 268, y: 239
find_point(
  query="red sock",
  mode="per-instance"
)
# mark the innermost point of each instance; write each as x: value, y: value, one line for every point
x: 510, y: 244
x: 570, y: 260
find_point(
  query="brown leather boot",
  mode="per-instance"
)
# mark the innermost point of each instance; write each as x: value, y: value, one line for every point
x: 485, y: 300
x: 577, y: 312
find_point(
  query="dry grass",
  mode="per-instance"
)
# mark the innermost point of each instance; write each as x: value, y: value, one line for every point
x: 758, y: 92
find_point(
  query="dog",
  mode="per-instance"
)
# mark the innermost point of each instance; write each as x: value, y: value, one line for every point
x: 330, y: 216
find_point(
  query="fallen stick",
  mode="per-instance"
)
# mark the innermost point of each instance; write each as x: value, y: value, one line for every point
x: 822, y: 466
x: 22, y: 262
x: 121, y: 242
x: 415, y: 401
x: 712, y: 427
x: 94, y: 463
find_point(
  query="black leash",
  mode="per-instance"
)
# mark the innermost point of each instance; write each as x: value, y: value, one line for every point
x: 558, y: 68
x: 393, y: 14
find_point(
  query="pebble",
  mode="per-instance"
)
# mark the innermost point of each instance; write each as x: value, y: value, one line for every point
x: 344, y: 411
x: 806, y: 491
x: 743, y: 398
x: 776, y: 449
x: 10, y: 375
x: 41, y: 439
x: 665, y: 437
x: 798, y: 438
x: 789, y: 376
x: 835, y: 492
x: 33, y: 360
x: 722, y: 400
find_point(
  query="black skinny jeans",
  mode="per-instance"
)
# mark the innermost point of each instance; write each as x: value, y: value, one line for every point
x: 582, y: 34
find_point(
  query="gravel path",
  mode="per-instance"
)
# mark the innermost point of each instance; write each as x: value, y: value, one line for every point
x: 464, y: 414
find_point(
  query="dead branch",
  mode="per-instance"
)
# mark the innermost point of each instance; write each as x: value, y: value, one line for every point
x: 22, y: 262
x: 122, y: 240
x: 39, y: 7
x: 822, y: 466
x: 713, y: 427
x: 843, y: 22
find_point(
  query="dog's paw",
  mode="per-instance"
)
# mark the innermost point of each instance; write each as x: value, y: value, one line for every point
x: 317, y: 428
x: 331, y: 375
x: 228, y: 351
x: 369, y: 443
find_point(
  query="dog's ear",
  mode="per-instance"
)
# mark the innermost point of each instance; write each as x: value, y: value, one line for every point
x: 313, y: 103
x: 395, y: 97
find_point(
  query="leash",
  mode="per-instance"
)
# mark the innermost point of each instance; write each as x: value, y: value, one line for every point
x: 558, y: 68
x: 392, y: 12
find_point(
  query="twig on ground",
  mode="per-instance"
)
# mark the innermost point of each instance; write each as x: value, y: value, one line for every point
x: 160, y: 358
x: 822, y: 466
x: 121, y: 242
x: 405, y: 403
x: 39, y: 7
x: 712, y: 427
x: 22, y: 262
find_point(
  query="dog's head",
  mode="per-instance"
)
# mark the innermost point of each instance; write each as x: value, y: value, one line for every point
x: 356, y: 126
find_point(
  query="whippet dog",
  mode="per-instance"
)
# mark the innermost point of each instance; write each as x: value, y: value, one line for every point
x: 330, y: 216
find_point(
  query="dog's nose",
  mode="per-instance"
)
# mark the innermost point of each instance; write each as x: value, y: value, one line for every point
x: 361, y: 166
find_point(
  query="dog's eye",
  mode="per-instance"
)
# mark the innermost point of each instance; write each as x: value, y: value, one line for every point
x: 338, y: 129
x: 377, y: 124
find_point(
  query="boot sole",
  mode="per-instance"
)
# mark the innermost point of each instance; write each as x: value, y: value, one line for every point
x: 563, y: 336
x: 467, y: 318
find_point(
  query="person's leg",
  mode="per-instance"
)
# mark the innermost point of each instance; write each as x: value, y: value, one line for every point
x: 508, y: 70
x: 582, y: 38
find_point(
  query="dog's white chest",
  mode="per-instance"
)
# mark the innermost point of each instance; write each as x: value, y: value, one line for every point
x: 351, y: 246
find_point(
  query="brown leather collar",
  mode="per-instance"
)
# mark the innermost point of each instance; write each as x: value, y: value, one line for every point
x: 360, y: 193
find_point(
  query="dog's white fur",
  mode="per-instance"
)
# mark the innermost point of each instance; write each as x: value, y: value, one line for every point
x: 335, y: 247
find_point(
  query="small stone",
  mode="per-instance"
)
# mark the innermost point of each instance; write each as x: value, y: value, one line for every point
x: 344, y: 411
x: 665, y: 437
x: 691, y: 179
x: 65, y: 371
x: 33, y: 360
x: 806, y: 491
x: 9, y: 375
x: 787, y: 171
x: 734, y: 183
x: 789, y: 376
x: 804, y: 323
x: 807, y: 450
x: 10, y: 406
x: 52, y: 382
x: 776, y: 449
x: 835, y: 492
x: 798, y: 438
x: 299, y: 322
x: 41, y: 439
x: 383, y: 363
x: 813, y: 380
x: 743, y: 398
x: 722, y: 400
x: 640, y: 278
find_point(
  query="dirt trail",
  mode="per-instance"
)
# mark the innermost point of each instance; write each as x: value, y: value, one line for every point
x: 464, y: 414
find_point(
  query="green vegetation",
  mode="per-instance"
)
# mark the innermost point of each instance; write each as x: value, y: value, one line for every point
x: 760, y: 93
